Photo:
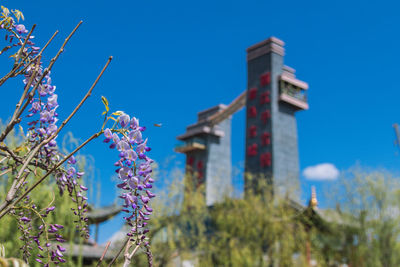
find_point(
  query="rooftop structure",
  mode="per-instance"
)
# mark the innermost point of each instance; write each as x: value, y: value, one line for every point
x: 272, y: 98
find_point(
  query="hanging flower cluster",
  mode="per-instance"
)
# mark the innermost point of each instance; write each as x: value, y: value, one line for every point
x: 47, y: 232
x: 134, y: 171
x: 42, y: 111
x: 39, y: 103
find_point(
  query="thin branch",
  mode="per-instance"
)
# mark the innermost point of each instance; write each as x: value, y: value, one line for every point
x: 104, y: 254
x: 17, y: 66
x: 11, y: 124
x: 19, y: 159
x: 128, y: 257
x: 17, y: 112
x: 134, y: 251
x: 6, y: 208
x: 16, y: 183
x: 119, y: 252
x: 27, y: 38
x: 15, y: 186
x: 11, y: 153
x: 85, y: 97
x: 5, y: 172
x: 48, y: 42
x: 37, y: 56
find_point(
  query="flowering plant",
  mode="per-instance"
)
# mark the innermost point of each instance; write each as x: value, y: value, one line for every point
x: 39, y: 151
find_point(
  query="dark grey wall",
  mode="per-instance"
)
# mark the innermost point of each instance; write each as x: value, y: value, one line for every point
x: 284, y: 170
x: 216, y: 159
x: 255, y: 68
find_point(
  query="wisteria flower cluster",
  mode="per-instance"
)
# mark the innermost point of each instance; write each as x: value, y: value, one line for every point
x: 38, y: 104
x: 134, y: 171
x: 48, y: 253
x: 40, y: 148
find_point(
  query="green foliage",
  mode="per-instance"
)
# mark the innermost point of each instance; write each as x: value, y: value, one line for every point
x: 262, y: 230
x: 6, y: 16
x: 45, y: 195
x: 254, y: 231
x: 12, y: 262
x: 369, y: 204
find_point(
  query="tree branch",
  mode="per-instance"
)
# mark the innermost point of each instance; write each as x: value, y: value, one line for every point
x: 4, y: 208
x: 16, y: 120
x: 104, y: 253
x: 17, y: 66
x: 85, y: 97
x: 119, y: 252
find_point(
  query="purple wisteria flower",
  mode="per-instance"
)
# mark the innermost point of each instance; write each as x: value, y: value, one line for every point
x: 43, y: 118
x: 20, y: 28
x: 134, y: 170
x: 124, y: 120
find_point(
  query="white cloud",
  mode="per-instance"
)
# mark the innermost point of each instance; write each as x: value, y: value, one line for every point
x: 321, y: 172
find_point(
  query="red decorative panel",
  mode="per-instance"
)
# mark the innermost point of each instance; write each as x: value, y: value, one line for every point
x: 200, y: 173
x: 265, y: 79
x: 252, y: 150
x: 264, y: 99
x: 253, y: 131
x: 200, y: 178
x: 265, y: 139
x: 265, y: 116
x: 199, y: 165
x: 265, y: 159
x: 190, y: 161
x: 253, y: 93
x: 252, y: 112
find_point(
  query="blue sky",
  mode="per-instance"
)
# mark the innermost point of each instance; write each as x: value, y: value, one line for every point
x: 175, y: 58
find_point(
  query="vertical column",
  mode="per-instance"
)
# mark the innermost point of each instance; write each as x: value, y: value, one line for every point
x: 219, y: 165
x: 208, y: 156
x: 286, y: 158
x: 264, y: 63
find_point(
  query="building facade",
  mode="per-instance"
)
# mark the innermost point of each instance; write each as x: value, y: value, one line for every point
x: 272, y: 98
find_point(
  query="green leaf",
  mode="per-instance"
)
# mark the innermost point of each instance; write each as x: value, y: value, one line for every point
x: 5, y: 10
x: 18, y: 14
x: 105, y: 102
x: 118, y: 113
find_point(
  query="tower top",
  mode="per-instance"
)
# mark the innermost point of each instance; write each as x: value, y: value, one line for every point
x: 272, y: 44
x: 313, y: 201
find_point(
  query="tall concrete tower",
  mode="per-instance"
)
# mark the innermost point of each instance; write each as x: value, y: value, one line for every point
x: 274, y: 95
x: 272, y: 98
x: 207, y: 145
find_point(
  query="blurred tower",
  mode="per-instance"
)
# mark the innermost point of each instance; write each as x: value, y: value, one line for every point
x: 208, y: 154
x: 274, y: 95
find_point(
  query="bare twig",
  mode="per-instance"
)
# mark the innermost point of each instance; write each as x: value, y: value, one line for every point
x: 128, y: 257
x: 4, y: 208
x: 17, y: 66
x: 11, y: 153
x: 19, y: 159
x: 27, y: 38
x: 104, y: 254
x: 16, y: 184
x: 38, y: 55
x: 85, y: 97
x: 12, y: 123
x: 119, y: 252
x: 18, y: 112
x: 5, y: 172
